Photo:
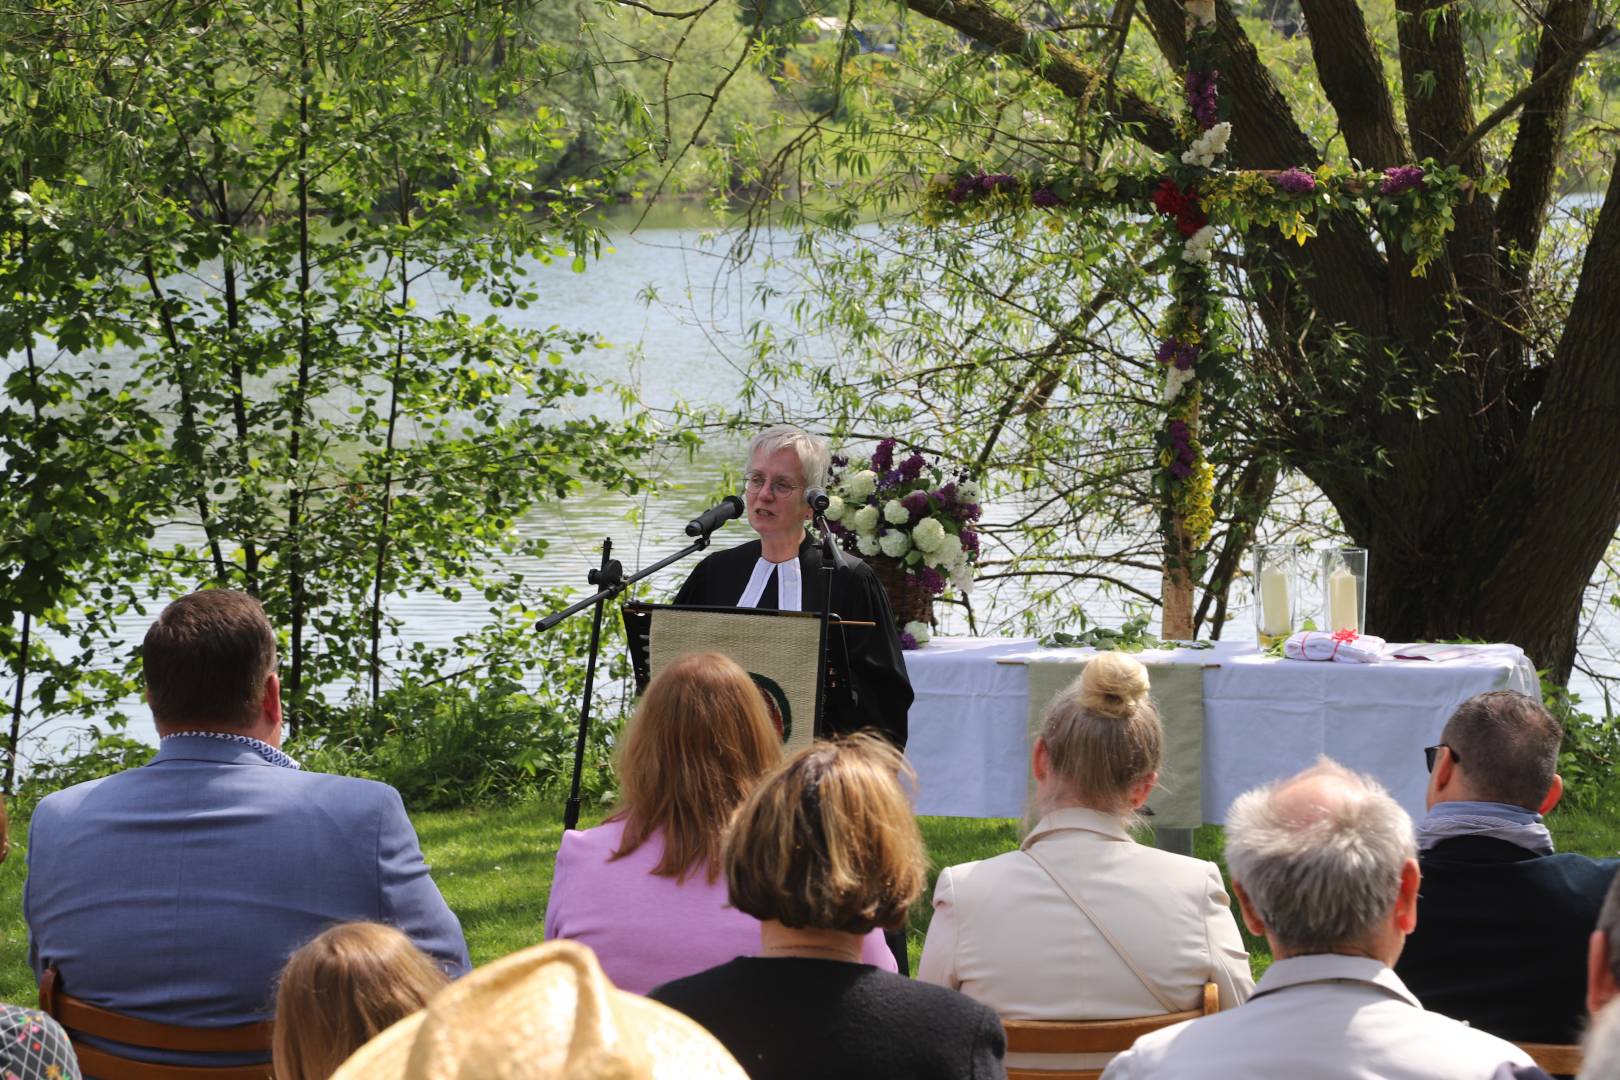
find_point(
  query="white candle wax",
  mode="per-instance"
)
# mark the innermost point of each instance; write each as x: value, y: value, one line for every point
x: 1276, y: 613
x: 1344, y: 612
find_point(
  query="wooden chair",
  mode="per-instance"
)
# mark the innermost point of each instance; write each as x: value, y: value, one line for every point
x: 82, y: 1018
x: 1089, y: 1037
x: 1555, y: 1059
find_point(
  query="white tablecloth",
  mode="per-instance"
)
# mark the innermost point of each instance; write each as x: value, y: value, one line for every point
x: 1263, y: 718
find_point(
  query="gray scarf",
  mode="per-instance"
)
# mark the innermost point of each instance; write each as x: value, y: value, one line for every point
x: 1498, y: 821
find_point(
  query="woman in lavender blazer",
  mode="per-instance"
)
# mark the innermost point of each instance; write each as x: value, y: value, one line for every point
x: 642, y: 889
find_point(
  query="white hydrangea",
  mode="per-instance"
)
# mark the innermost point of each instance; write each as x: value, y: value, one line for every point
x: 867, y: 543
x: 860, y: 485
x: 920, y: 632
x: 1208, y: 146
x: 835, y: 508
x: 894, y: 543
x: 967, y: 491
x: 1199, y: 246
x: 946, y: 554
x: 962, y: 575
x: 895, y: 512
x: 928, y: 534
x: 865, y: 519
x: 1175, y: 378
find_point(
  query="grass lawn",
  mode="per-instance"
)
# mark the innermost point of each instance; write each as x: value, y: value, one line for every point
x: 494, y: 867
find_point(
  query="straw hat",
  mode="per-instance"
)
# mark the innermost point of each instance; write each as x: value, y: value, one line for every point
x: 544, y: 1012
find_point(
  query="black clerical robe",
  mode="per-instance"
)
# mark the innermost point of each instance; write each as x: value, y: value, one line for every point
x: 877, y: 669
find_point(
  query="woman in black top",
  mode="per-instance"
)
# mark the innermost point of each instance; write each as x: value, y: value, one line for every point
x: 822, y: 851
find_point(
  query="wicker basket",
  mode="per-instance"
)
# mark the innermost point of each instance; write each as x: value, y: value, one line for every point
x: 910, y: 601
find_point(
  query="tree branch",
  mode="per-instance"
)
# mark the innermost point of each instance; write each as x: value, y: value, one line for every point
x: 1559, y: 74
x: 1353, y: 79
x: 1062, y: 68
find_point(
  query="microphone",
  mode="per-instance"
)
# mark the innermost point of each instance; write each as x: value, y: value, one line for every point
x: 817, y: 499
x: 715, y: 516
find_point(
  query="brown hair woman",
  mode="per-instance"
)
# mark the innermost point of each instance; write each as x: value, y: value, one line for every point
x: 643, y: 889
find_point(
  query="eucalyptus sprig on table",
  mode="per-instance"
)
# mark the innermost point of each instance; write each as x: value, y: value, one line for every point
x: 1133, y: 637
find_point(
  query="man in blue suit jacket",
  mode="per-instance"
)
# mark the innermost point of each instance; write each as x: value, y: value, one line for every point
x: 176, y: 891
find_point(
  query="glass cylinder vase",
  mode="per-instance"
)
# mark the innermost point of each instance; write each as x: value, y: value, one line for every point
x: 1344, y: 589
x: 1276, y: 592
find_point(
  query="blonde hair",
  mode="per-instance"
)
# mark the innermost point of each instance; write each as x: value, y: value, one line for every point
x: 340, y: 990
x: 1103, y: 735
x: 828, y: 841
x: 699, y: 741
x: 814, y: 455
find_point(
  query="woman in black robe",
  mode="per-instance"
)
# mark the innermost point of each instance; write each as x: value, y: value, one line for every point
x: 782, y: 571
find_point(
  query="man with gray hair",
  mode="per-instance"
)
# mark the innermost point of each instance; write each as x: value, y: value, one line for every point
x: 1504, y: 920
x: 1324, y: 865
x: 1603, y: 953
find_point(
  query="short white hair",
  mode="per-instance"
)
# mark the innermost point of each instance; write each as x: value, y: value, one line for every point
x: 812, y: 451
x: 1600, y: 1050
x: 1326, y: 877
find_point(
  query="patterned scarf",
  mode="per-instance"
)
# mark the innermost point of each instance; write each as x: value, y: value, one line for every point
x: 263, y: 749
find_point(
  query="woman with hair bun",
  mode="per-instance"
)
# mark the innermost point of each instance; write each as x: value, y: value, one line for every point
x: 1082, y: 922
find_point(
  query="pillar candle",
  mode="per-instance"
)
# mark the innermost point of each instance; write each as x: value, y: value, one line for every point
x: 1276, y: 614
x: 1344, y: 611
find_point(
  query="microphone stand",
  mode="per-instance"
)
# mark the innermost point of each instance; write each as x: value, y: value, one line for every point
x: 610, y: 579
x: 831, y: 558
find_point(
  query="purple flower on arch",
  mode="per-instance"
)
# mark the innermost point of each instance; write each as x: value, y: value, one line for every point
x: 1045, y: 198
x: 992, y: 181
x: 970, y: 541
x: 1400, y: 179
x: 1296, y: 181
x: 883, y: 456
x: 911, y: 467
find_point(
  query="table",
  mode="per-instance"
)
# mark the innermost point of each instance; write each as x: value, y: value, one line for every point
x: 1264, y: 718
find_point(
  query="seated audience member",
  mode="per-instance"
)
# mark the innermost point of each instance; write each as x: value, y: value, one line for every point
x: 175, y: 891
x: 1601, y: 1047
x: 544, y: 1013
x: 1324, y: 866
x: 1082, y: 923
x: 1603, y: 953
x: 1503, y: 922
x: 34, y: 1047
x: 341, y: 990
x: 824, y: 850
x: 643, y: 889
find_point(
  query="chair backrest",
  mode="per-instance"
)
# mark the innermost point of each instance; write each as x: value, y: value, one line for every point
x: 1555, y: 1059
x: 1089, y: 1037
x: 82, y: 1018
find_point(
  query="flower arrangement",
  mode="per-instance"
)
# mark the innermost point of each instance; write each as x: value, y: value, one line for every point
x: 913, y: 512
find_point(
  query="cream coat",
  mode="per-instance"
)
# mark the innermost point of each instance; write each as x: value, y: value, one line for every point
x: 1005, y: 934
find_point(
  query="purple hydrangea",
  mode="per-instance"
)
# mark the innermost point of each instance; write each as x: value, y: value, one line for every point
x: 1177, y: 352
x: 911, y: 467
x: 1202, y: 97
x: 1296, y: 182
x: 907, y: 642
x: 917, y: 503
x: 964, y: 186
x: 883, y: 456
x: 970, y: 541
x: 1401, y: 178
x: 946, y: 494
x: 970, y: 511
x: 1181, y: 461
x: 991, y: 181
x: 930, y: 579
x: 1045, y: 198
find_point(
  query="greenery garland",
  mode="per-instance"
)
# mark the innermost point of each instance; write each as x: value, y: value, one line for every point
x: 1191, y: 192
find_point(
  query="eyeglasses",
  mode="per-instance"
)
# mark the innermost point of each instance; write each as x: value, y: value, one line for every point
x: 780, y: 487
x: 1429, y: 753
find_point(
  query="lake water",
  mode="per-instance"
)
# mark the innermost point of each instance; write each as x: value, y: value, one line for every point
x: 675, y: 312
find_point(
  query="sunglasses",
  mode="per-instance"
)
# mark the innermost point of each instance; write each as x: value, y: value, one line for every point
x: 1429, y: 753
